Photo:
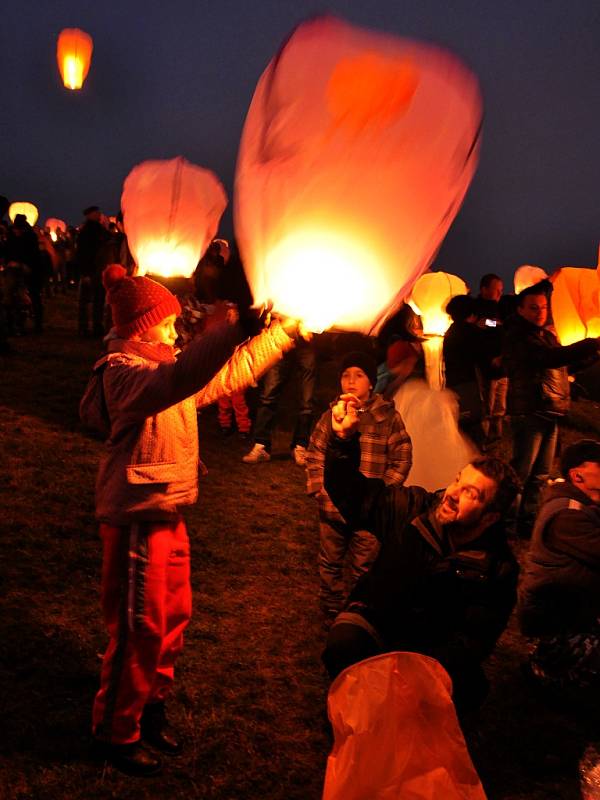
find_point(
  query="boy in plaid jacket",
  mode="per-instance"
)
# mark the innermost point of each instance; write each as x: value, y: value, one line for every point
x: 386, y: 453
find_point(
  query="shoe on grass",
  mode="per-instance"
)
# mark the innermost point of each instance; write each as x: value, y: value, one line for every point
x: 156, y: 731
x: 258, y: 453
x: 132, y: 759
x: 299, y: 453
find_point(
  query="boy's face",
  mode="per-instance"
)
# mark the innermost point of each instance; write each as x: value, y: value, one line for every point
x: 354, y: 381
x: 163, y: 333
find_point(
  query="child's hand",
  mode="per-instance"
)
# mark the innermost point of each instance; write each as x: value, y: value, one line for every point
x: 344, y: 416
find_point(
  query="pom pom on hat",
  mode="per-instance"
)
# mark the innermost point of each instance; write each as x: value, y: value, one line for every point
x: 137, y: 303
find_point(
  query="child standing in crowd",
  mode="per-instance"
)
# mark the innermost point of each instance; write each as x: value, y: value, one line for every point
x: 148, y: 473
x: 386, y: 453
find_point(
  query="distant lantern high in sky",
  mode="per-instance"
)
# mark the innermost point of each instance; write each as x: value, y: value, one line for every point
x: 356, y: 154
x: 28, y: 209
x: 74, y: 54
x: 171, y: 212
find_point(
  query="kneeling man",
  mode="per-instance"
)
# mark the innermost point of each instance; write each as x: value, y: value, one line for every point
x: 444, y: 583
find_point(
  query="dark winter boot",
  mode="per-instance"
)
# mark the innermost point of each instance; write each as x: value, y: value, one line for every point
x: 156, y: 730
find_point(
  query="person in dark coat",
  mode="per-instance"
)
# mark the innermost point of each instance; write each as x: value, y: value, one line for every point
x: 23, y: 252
x: 538, y: 393
x: 559, y: 594
x: 444, y: 582
x: 90, y: 259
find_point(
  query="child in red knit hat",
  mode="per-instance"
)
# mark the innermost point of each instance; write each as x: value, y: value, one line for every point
x: 148, y: 473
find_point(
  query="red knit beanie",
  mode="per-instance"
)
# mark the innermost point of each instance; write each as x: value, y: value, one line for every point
x: 137, y: 303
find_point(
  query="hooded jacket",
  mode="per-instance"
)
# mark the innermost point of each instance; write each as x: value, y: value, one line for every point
x: 150, y: 467
x: 560, y: 586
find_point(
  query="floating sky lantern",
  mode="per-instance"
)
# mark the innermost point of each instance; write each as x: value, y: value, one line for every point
x: 171, y: 212
x: 27, y: 209
x: 74, y: 54
x: 429, y: 297
x: 54, y: 225
x: 356, y: 153
x: 527, y: 276
x: 576, y: 303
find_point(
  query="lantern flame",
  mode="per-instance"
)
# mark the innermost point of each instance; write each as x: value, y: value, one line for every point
x: 320, y: 277
x: 165, y: 258
x: 74, y: 53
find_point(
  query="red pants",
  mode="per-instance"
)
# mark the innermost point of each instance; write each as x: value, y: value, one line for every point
x: 147, y: 603
x: 236, y: 402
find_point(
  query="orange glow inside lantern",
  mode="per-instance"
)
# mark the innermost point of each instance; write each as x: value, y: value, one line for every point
x: 527, y: 276
x: 28, y: 209
x: 576, y: 303
x: 74, y: 55
x: 54, y: 225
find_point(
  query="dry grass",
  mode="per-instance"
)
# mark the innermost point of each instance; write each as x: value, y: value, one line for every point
x: 250, y: 695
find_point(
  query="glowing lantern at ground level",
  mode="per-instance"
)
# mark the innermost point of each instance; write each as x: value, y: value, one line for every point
x: 576, y: 303
x: 27, y: 209
x: 356, y: 153
x: 54, y: 225
x: 171, y: 212
x: 74, y: 54
x: 527, y: 276
x: 429, y: 297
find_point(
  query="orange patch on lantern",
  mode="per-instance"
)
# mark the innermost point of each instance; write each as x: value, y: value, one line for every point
x: 370, y: 90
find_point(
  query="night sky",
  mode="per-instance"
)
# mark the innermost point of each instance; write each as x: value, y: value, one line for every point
x: 176, y: 78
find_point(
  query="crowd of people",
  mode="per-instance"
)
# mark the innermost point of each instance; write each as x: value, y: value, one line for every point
x: 401, y: 568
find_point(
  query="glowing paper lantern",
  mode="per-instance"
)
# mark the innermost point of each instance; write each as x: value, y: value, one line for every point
x: 357, y: 151
x: 55, y: 225
x: 397, y: 734
x: 527, y: 276
x: 429, y: 297
x: 171, y: 211
x: 74, y: 54
x: 28, y: 209
x: 576, y: 303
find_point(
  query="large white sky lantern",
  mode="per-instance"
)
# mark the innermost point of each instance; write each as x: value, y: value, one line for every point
x: 356, y: 154
x: 171, y: 212
x: 576, y: 303
x: 429, y: 297
x: 27, y: 209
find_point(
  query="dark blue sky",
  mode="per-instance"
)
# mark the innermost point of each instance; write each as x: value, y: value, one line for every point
x: 176, y: 78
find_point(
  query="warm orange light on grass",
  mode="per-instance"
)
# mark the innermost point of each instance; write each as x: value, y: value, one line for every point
x: 74, y: 54
x: 576, y: 303
x: 28, y: 209
x: 171, y: 212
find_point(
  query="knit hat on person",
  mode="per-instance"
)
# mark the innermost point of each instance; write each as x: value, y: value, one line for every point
x: 578, y: 453
x: 137, y: 303
x: 362, y: 360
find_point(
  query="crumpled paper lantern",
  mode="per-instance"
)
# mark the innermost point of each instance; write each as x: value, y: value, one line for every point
x: 576, y: 303
x: 396, y: 734
x: 74, y: 55
x: 429, y: 297
x: 171, y: 212
x: 28, y: 209
x: 54, y: 225
x: 356, y: 154
x: 527, y: 276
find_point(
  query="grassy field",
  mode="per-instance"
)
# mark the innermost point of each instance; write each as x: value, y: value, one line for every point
x: 250, y: 695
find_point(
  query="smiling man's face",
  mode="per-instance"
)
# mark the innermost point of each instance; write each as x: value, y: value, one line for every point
x: 466, y: 500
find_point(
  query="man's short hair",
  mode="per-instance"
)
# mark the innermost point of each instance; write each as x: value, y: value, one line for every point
x: 90, y: 210
x: 577, y: 454
x: 460, y: 307
x: 506, y: 479
x: 543, y: 287
x: 488, y: 279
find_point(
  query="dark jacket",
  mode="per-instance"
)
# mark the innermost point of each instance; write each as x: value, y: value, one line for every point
x: 560, y: 586
x: 536, y: 366
x: 422, y: 594
x: 91, y: 241
x: 463, y: 353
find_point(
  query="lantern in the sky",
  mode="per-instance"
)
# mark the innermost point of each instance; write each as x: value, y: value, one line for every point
x: 429, y: 297
x: 527, y: 276
x: 28, y: 209
x: 74, y: 54
x: 576, y: 303
x: 357, y: 151
x: 54, y: 225
x: 171, y: 212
